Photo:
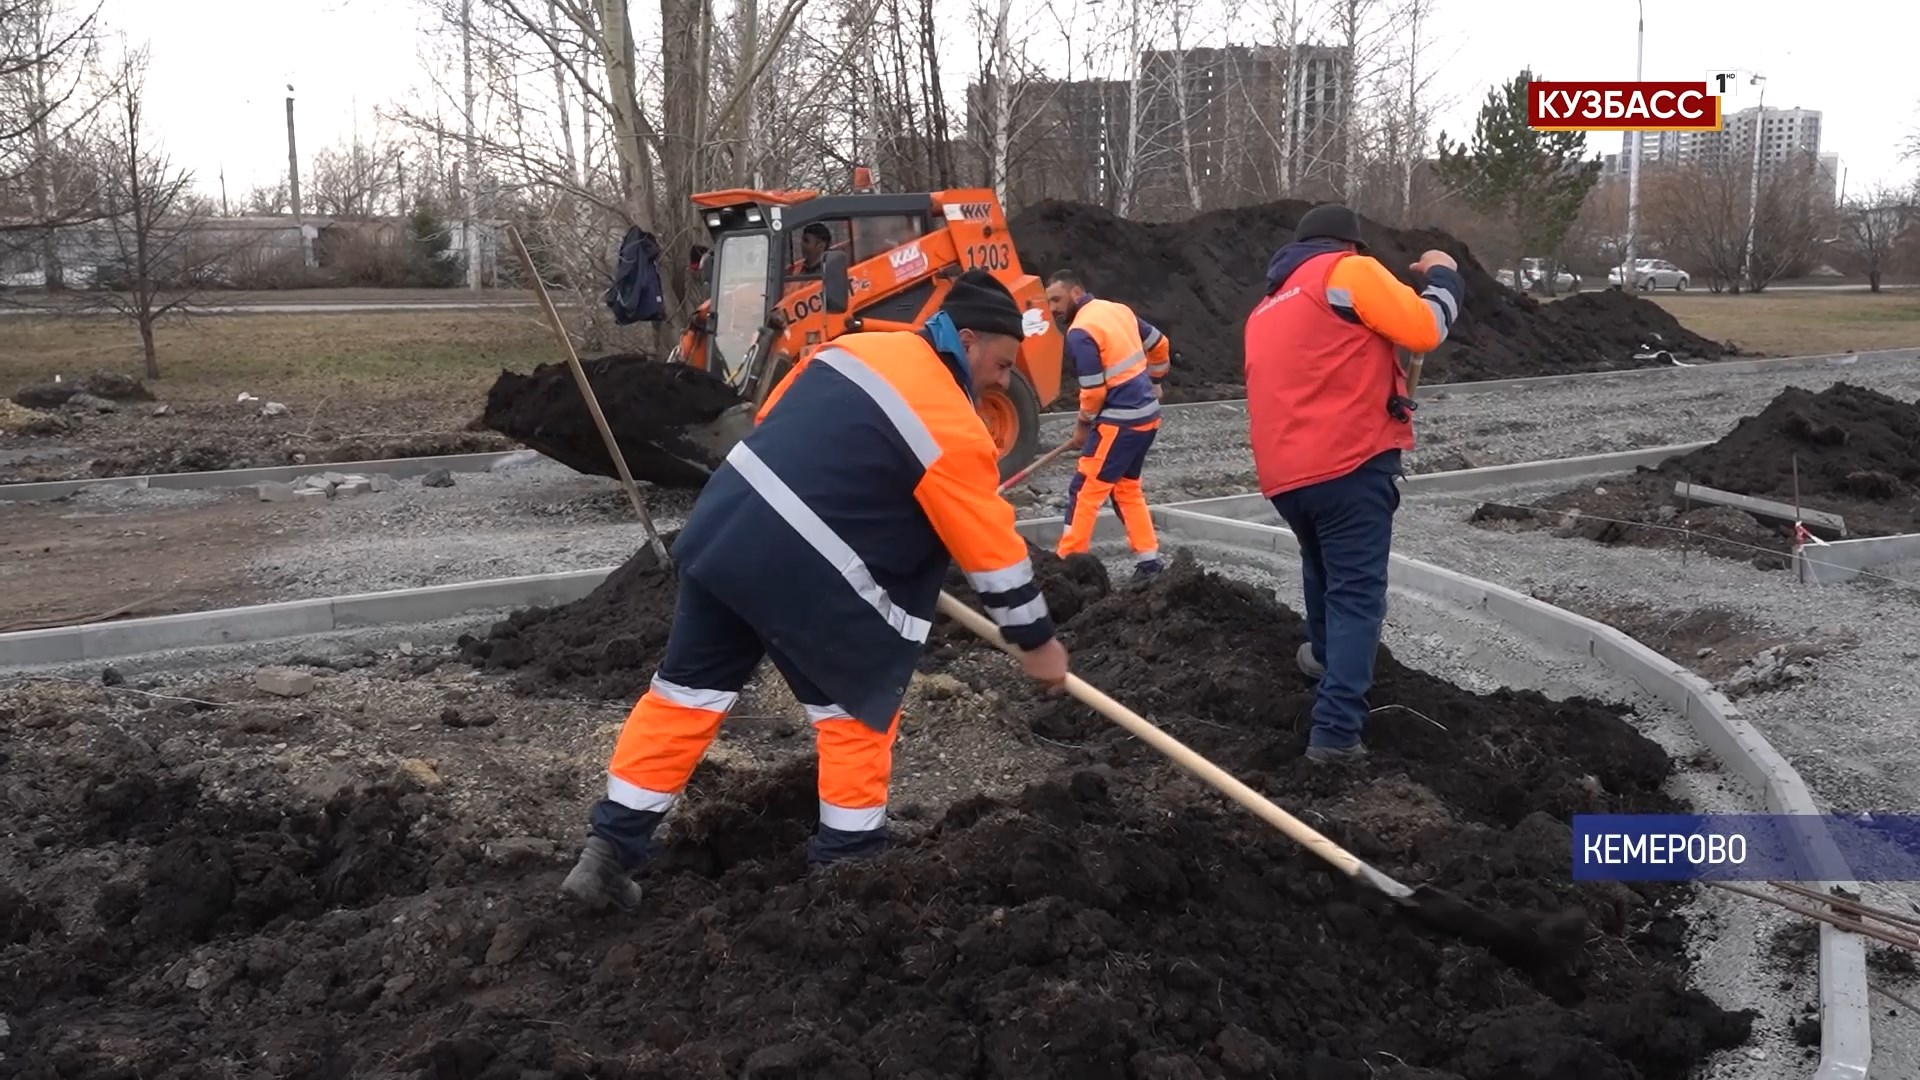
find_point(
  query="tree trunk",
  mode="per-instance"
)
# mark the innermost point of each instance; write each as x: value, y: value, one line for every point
x: 1130, y: 163
x: 1186, y: 117
x: 1002, y: 92
x: 1415, y: 142
x: 560, y: 94
x: 1873, y: 281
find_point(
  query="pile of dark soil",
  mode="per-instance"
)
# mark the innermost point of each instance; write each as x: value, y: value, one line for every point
x: 101, y: 384
x: 1849, y: 444
x: 606, y: 644
x: 1109, y: 923
x: 1857, y: 452
x: 1197, y: 280
x: 652, y: 408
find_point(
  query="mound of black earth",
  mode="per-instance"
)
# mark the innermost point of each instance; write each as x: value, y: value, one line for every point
x: 607, y: 644
x: 1117, y: 921
x: 1198, y: 279
x: 653, y: 408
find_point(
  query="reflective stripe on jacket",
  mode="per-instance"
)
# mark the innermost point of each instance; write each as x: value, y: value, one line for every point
x: 1321, y: 361
x: 830, y: 528
x: 1117, y: 358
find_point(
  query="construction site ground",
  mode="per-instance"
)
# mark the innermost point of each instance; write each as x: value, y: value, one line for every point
x: 183, y: 550
x: 221, y: 914
x: 382, y: 384
x: 421, y: 911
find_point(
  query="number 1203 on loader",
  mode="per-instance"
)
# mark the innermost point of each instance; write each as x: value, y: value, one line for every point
x: 789, y: 270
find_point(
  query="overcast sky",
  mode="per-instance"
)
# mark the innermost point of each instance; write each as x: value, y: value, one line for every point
x: 217, y: 80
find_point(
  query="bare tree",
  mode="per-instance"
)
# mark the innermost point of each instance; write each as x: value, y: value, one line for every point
x: 1870, y: 222
x: 268, y: 198
x: 161, y: 253
x: 356, y: 179
x: 50, y: 94
x: 1698, y: 214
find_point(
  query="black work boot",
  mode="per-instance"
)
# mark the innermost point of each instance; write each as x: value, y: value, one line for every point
x: 599, y: 881
x: 1144, y: 572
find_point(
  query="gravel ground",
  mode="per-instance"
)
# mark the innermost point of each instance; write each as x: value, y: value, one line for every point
x: 1202, y: 450
x: 536, y: 517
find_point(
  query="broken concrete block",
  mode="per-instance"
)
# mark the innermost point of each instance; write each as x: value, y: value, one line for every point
x: 163, y: 410
x: 438, y: 478
x: 283, y: 682
x: 352, y: 488
x: 311, y: 493
x: 274, y: 408
x: 380, y: 482
x: 313, y: 480
x: 334, y: 477
x: 272, y: 492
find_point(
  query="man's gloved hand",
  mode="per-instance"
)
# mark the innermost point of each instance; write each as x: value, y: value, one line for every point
x: 1402, y: 408
x: 1080, y: 429
x: 1157, y: 391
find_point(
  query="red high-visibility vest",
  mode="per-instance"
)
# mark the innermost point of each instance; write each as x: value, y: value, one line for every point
x: 1317, y: 386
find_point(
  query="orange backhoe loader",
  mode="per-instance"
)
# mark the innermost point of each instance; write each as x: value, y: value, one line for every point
x: 888, y: 262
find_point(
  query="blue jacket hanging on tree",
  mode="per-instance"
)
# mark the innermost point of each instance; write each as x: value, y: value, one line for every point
x: 635, y: 294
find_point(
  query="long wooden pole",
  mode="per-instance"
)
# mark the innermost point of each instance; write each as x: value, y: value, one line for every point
x: 586, y: 391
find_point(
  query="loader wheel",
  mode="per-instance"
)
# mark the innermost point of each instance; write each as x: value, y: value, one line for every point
x: 1012, y: 417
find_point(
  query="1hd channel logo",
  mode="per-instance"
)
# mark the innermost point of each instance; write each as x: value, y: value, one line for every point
x: 1625, y: 106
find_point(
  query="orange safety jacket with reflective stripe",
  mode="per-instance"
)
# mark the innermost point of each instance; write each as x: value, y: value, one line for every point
x: 831, y: 527
x: 1321, y: 362
x: 1117, y: 358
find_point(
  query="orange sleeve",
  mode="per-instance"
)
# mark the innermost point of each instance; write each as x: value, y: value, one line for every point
x: 1416, y: 321
x: 958, y: 494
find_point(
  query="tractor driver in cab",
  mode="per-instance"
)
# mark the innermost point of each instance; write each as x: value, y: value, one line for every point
x: 815, y: 239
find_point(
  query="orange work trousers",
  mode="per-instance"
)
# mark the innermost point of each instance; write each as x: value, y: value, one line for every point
x: 711, y: 653
x: 1110, y: 467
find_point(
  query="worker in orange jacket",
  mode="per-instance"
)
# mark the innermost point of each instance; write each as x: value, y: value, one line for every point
x: 821, y: 545
x: 1329, y: 414
x: 1119, y: 359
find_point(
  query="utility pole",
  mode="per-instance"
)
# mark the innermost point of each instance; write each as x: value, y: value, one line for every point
x: 1633, y: 160
x: 1753, y: 190
x: 468, y: 241
x: 293, y: 184
x: 224, y: 212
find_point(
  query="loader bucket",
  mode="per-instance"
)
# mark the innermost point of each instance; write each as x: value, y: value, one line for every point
x: 674, y: 423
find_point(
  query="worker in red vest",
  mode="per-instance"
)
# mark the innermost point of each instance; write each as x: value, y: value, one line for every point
x: 1119, y: 359
x: 821, y: 545
x: 1329, y: 414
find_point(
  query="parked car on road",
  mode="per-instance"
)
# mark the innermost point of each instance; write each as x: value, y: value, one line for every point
x: 1649, y: 274
x: 1533, y: 278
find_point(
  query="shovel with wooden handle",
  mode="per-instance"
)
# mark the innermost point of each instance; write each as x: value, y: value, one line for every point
x: 586, y: 391
x: 1520, y: 940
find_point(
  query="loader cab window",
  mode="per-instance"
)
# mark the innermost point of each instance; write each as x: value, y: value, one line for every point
x: 877, y: 235
x: 740, y: 274
x: 809, y: 245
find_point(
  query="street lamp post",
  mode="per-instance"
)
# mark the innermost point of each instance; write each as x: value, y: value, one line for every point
x: 1753, y: 189
x: 1633, y: 158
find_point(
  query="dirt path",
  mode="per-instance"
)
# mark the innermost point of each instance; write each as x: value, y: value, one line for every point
x: 63, y: 562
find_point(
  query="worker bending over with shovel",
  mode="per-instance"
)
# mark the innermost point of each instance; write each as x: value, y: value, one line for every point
x: 1120, y: 359
x: 822, y: 544
x: 1330, y: 412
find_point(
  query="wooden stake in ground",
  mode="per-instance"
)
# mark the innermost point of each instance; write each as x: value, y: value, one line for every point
x: 586, y: 391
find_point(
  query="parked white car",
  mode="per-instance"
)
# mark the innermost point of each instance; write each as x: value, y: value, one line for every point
x: 1650, y: 274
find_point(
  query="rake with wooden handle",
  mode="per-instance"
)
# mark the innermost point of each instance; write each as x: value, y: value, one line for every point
x: 1522, y: 940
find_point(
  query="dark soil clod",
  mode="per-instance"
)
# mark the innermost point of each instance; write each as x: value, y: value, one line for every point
x: 650, y: 406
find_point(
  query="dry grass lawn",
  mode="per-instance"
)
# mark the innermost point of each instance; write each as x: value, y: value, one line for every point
x: 1802, y: 323
x: 298, y: 359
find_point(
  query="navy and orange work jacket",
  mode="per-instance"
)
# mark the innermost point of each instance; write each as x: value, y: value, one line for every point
x: 831, y: 526
x: 1118, y: 358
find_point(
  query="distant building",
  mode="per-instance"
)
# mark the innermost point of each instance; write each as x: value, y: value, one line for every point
x: 1241, y: 139
x: 1788, y: 137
